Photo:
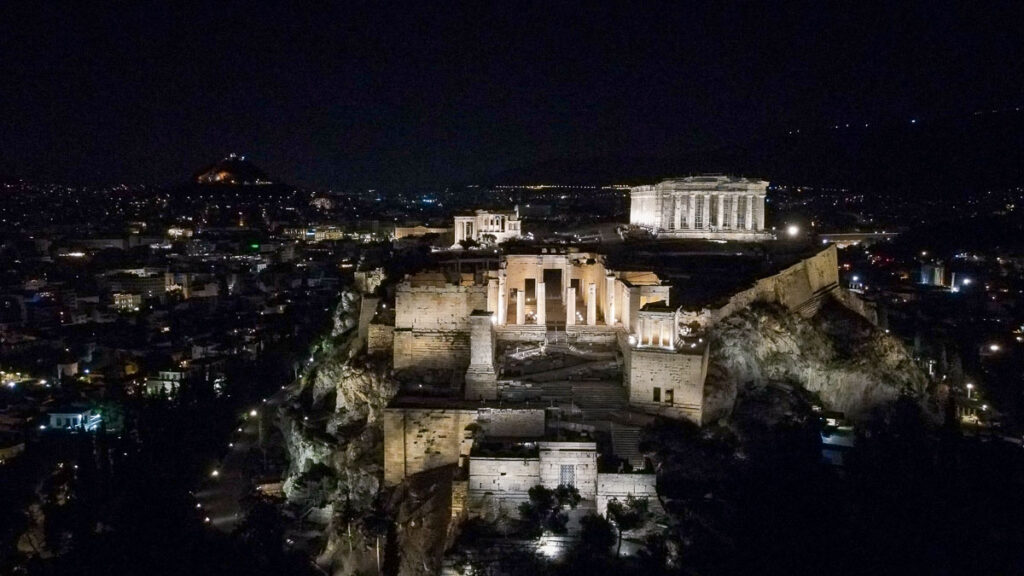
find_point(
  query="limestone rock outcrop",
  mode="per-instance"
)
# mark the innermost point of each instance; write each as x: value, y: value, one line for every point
x: 333, y: 436
x: 850, y: 364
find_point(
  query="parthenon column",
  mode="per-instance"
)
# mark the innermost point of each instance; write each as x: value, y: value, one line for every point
x: 734, y: 212
x: 570, y: 306
x: 691, y: 203
x: 542, y: 316
x: 677, y: 215
x: 721, y: 210
x: 760, y: 214
x: 707, y: 211
x: 520, y: 307
x: 750, y: 212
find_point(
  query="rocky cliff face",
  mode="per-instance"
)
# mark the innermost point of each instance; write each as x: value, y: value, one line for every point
x: 851, y: 365
x: 334, y: 439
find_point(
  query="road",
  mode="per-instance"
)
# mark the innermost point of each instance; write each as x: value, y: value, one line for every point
x: 220, y: 496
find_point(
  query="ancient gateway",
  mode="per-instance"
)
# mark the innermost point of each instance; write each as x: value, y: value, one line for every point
x: 708, y: 207
x: 524, y: 371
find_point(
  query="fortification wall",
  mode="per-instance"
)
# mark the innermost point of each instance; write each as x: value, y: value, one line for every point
x: 414, y: 349
x: 419, y: 439
x: 442, y: 308
x: 799, y: 288
x: 794, y: 287
x: 380, y: 338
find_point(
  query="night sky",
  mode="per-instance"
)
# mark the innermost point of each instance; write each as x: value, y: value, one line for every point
x: 361, y: 94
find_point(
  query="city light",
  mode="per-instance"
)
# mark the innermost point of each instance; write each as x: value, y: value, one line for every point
x: 993, y: 347
x: 792, y: 230
x: 215, y: 474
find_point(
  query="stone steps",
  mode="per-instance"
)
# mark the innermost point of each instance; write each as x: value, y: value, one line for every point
x: 597, y: 400
x: 626, y: 444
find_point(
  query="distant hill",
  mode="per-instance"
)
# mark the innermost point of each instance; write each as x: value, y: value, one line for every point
x: 966, y: 153
x: 234, y: 170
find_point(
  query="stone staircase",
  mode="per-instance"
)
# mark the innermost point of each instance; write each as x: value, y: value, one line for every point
x: 626, y: 444
x: 596, y: 400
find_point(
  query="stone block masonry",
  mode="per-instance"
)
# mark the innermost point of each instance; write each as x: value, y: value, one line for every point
x: 380, y: 339
x: 420, y: 439
x: 445, y: 307
x: 621, y: 486
x: 667, y: 382
x: 416, y: 349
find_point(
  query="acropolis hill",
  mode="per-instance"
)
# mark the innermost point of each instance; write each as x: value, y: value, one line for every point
x: 539, y: 364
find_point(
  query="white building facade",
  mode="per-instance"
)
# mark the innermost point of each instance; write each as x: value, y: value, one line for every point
x: 503, y: 226
x: 707, y: 207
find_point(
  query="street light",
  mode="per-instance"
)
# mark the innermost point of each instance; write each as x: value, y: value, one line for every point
x: 993, y: 347
x: 252, y: 413
x: 969, y: 388
x: 215, y: 473
x: 792, y: 230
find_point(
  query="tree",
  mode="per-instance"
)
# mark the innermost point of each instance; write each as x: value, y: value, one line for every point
x: 596, y: 534
x: 633, y: 514
x: 544, y: 509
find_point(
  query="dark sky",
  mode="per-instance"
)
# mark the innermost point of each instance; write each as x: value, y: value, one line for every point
x: 362, y: 94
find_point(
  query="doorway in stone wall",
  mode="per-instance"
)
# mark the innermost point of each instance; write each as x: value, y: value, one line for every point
x: 553, y: 307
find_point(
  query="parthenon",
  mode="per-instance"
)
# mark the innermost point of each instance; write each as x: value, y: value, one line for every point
x: 710, y: 207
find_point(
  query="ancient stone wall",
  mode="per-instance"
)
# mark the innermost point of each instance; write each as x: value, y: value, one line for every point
x: 526, y: 333
x: 800, y: 288
x: 380, y: 338
x: 419, y: 439
x: 512, y: 422
x: 508, y: 477
x: 444, y: 308
x: 619, y: 486
x: 415, y: 349
x: 592, y: 334
x: 794, y: 287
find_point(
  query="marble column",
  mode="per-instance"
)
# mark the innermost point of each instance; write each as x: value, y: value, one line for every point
x: 592, y: 304
x: 570, y: 306
x: 750, y: 212
x: 707, y: 211
x: 502, y: 299
x: 677, y: 213
x: 609, y: 299
x: 734, y: 212
x: 721, y: 210
x: 691, y: 202
x: 760, y: 214
x: 520, y: 307
x: 640, y: 334
x: 542, y: 316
